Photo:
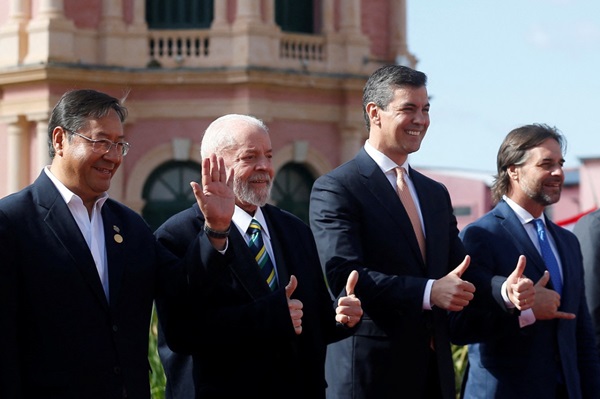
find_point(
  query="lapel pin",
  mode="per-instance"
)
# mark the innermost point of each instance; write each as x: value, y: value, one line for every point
x: 116, y: 228
x: 118, y: 238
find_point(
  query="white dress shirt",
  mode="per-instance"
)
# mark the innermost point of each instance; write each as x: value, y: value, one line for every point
x: 91, y: 227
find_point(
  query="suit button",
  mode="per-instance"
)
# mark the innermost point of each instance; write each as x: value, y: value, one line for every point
x: 115, y: 328
x: 117, y: 370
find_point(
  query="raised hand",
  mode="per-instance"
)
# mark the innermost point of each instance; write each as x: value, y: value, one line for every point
x: 215, y: 197
x: 294, y: 305
x: 547, y: 302
x: 520, y: 289
x: 451, y: 292
x: 349, y: 310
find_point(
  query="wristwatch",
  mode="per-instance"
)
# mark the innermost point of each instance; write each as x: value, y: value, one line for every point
x: 215, y: 233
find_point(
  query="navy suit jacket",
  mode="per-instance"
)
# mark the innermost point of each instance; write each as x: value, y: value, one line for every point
x: 360, y: 224
x: 240, y: 335
x: 507, y: 361
x: 59, y: 336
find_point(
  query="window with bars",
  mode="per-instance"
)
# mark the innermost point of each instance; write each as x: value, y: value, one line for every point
x: 297, y: 15
x: 179, y: 14
x: 291, y: 189
x: 167, y: 191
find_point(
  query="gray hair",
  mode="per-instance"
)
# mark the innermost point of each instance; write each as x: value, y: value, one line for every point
x: 221, y: 134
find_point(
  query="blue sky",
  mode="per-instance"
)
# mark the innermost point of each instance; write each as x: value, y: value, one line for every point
x: 496, y: 65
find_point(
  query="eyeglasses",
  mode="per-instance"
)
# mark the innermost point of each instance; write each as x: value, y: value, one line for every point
x: 104, y: 146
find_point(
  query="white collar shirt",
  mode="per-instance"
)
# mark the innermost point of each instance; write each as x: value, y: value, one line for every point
x: 92, y: 228
x: 388, y: 167
x: 242, y: 220
x: 526, y: 218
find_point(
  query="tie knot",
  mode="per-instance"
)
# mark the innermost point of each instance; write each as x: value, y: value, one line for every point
x: 400, y: 179
x: 539, y: 225
x: 254, y: 227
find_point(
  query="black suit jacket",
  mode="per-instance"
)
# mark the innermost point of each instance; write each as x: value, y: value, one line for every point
x: 238, y: 332
x: 59, y: 336
x: 359, y: 223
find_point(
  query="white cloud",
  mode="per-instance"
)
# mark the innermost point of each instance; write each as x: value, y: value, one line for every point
x: 539, y: 37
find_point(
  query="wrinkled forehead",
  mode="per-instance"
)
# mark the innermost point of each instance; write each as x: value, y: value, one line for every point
x: 251, y: 137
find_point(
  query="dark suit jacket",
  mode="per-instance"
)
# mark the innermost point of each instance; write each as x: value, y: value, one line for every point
x: 507, y: 361
x: 359, y: 223
x: 59, y: 336
x: 587, y: 230
x: 240, y: 333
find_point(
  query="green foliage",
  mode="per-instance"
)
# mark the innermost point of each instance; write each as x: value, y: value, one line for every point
x: 459, y: 355
x: 157, y: 376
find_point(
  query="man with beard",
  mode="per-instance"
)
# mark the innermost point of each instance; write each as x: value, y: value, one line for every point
x: 257, y: 325
x: 545, y: 350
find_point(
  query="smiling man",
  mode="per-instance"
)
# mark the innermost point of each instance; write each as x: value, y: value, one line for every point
x: 546, y: 350
x: 261, y: 316
x: 377, y: 215
x: 78, y: 270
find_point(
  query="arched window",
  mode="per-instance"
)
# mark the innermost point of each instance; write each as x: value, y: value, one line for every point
x: 297, y: 15
x: 179, y: 14
x: 291, y: 189
x: 168, y: 191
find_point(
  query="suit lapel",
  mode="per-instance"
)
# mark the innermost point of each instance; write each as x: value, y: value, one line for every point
x: 379, y: 186
x: 64, y: 227
x: 515, y: 229
x: 563, y: 252
x: 244, y: 267
x: 114, y: 240
x: 278, y: 235
x: 428, y: 203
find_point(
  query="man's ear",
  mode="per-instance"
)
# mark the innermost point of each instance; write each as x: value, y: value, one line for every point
x: 59, y: 137
x: 513, y: 172
x: 373, y: 113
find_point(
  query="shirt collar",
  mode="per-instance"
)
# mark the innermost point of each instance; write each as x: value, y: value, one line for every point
x: 242, y: 220
x: 382, y: 160
x: 524, y: 216
x: 69, y: 196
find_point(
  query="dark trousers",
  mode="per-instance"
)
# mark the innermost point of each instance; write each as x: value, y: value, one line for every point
x: 433, y: 389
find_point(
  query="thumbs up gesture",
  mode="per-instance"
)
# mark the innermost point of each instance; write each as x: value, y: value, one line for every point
x: 349, y: 310
x: 520, y: 289
x: 451, y: 292
x: 294, y: 305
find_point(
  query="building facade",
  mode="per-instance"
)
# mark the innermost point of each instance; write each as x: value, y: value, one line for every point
x: 298, y: 65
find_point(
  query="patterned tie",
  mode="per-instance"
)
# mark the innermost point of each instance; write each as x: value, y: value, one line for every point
x: 411, y: 209
x: 258, y: 249
x: 548, y: 255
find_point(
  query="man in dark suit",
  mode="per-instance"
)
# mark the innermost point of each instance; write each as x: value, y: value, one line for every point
x: 546, y: 349
x: 252, y: 335
x: 401, y: 348
x: 78, y: 270
x: 587, y: 230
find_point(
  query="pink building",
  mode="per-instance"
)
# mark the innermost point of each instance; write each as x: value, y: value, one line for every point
x: 298, y: 65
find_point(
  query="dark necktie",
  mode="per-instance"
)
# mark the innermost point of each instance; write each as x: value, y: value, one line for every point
x: 259, y: 251
x: 548, y: 255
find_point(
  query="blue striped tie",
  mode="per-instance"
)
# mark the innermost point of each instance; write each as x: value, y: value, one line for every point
x: 548, y: 255
x: 258, y: 249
